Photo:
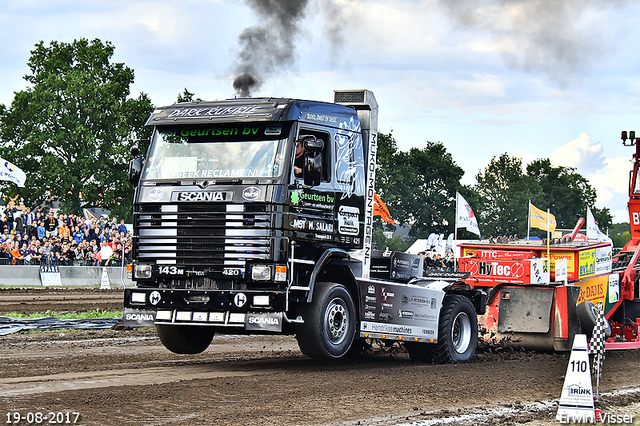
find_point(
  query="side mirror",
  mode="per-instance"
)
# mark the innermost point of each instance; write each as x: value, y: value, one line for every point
x: 312, y: 168
x: 135, y: 166
x: 311, y: 143
x: 135, y: 170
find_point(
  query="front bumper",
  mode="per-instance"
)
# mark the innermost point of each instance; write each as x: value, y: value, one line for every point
x: 253, y: 310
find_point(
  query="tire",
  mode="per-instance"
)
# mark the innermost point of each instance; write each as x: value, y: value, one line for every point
x: 185, y: 339
x: 329, y: 326
x: 457, y: 331
x: 420, y: 352
x: 588, y: 314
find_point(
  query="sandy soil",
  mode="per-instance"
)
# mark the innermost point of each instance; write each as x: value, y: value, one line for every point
x: 127, y: 377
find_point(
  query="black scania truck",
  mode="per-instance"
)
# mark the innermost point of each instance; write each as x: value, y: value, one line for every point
x: 230, y: 237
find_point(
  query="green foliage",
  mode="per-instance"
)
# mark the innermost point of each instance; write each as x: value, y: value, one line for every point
x: 418, y: 186
x: 505, y: 191
x: 504, y: 194
x: 186, y: 96
x: 620, y: 234
x: 72, y: 128
x: 563, y: 191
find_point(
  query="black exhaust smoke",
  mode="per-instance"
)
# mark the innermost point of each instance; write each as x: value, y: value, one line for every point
x: 270, y: 46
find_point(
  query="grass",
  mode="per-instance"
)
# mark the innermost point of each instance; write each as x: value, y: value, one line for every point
x: 96, y: 313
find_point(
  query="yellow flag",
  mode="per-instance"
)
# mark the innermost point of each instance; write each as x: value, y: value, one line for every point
x: 541, y: 219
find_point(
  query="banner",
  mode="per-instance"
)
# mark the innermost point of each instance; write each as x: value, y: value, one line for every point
x: 541, y: 219
x: 465, y: 217
x: 10, y: 172
x: 380, y: 209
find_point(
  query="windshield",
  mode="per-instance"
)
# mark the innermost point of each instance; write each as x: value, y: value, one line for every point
x: 217, y: 152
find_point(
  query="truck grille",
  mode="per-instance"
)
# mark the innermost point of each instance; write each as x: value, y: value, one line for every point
x: 216, y: 236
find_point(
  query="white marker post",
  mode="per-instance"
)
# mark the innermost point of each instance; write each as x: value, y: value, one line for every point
x: 104, y: 282
x: 576, y: 402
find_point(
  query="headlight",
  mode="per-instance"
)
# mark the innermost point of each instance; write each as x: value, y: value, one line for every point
x: 142, y: 271
x: 260, y: 273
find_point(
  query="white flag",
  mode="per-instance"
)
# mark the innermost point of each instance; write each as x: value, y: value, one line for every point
x: 10, y: 172
x: 593, y: 230
x: 592, y: 227
x: 465, y: 217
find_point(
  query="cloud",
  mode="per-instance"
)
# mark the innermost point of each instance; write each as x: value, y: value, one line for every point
x: 582, y: 153
x: 561, y: 39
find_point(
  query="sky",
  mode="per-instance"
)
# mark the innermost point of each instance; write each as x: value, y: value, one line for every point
x: 530, y: 78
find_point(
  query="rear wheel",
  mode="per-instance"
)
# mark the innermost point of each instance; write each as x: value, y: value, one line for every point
x: 588, y: 314
x: 329, y: 324
x: 457, y: 331
x: 185, y: 339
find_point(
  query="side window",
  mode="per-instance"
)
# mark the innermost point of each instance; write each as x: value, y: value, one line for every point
x: 298, y: 161
x: 344, y: 159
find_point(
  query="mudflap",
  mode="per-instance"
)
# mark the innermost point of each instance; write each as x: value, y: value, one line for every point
x: 532, y: 317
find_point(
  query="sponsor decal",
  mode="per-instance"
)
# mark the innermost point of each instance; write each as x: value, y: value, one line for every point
x: 371, y: 289
x: 311, y: 225
x: 370, y: 299
x: 387, y: 294
x: 569, y: 255
x: 49, y: 268
x: 213, y: 111
x: 593, y: 289
x: 138, y: 317
x: 273, y: 130
x: 587, y: 263
x: 614, y: 288
x: 260, y: 321
x: 155, y: 194
x: 370, y: 315
x: 313, y: 199
x: 50, y: 275
x: 321, y: 117
x: 154, y: 297
x: 251, y: 193
x: 263, y: 320
x: 200, y: 196
x: 385, y: 316
x: 240, y: 299
x: 348, y: 223
x: 405, y: 314
x: 499, y: 254
x: 603, y: 260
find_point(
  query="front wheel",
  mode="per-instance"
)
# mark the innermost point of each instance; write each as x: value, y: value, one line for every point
x: 457, y: 331
x: 185, y: 339
x: 329, y: 324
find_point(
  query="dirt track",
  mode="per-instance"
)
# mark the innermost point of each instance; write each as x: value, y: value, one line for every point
x: 127, y: 377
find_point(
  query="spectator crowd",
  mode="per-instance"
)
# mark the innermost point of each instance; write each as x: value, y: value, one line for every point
x: 42, y: 237
x: 436, y: 261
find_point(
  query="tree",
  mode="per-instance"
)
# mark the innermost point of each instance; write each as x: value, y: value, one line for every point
x: 72, y: 128
x: 186, y: 96
x: 418, y: 186
x: 565, y: 192
x: 505, y: 192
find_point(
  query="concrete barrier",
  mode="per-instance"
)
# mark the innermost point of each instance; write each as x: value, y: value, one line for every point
x: 70, y: 276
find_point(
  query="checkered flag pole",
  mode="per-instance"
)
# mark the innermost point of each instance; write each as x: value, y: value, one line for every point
x: 596, y: 347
